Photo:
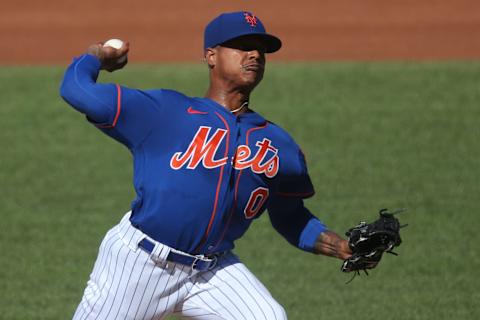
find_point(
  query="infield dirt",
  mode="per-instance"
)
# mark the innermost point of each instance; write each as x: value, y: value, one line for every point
x: 48, y: 32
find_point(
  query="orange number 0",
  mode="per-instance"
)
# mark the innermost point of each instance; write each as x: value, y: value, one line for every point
x: 255, y: 202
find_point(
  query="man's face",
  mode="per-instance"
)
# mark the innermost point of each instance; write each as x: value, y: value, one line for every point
x: 240, y: 62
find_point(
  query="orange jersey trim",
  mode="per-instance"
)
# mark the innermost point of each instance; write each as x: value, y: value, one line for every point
x: 219, y: 185
x: 236, y: 189
x: 119, y: 108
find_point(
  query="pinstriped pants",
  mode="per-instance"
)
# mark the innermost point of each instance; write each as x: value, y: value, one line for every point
x: 128, y: 283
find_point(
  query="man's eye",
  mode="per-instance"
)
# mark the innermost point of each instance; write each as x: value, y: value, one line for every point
x: 252, y: 48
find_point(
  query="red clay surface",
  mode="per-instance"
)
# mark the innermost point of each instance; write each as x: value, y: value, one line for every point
x: 53, y: 31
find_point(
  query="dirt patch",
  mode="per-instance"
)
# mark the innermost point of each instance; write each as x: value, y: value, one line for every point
x: 54, y: 31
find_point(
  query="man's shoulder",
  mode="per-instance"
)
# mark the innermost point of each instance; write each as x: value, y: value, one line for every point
x: 281, y: 133
x: 167, y: 94
x: 158, y: 97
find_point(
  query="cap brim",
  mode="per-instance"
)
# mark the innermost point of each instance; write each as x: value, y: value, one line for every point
x: 272, y: 43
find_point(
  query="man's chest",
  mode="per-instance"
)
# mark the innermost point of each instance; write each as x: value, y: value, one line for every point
x: 239, y: 147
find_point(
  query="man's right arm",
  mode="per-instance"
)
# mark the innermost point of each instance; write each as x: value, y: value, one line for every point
x: 80, y: 90
x: 125, y: 114
x: 79, y: 87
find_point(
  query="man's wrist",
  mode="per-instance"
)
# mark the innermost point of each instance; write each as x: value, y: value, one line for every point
x: 331, y: 244
x: 96, y: 51
x: 310, y: 234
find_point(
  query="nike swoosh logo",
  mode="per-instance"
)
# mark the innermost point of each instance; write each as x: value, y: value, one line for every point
x: 193, y: 111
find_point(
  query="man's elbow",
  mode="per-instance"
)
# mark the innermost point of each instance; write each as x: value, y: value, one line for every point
x: 67, y: 92
x: 88, y: 104
x: 71, y: 93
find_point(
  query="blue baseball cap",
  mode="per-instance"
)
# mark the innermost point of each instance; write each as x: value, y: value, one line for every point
x: 229, y: 26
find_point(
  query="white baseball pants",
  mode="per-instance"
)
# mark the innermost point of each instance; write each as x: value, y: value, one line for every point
x: 129, y: 283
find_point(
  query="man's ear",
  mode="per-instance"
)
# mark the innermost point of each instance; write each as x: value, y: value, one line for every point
x: 211, y: 57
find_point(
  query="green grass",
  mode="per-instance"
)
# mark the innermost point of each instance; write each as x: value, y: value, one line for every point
x: 375, y: 135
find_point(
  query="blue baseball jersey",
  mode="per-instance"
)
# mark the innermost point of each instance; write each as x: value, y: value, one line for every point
x: 201, y: 173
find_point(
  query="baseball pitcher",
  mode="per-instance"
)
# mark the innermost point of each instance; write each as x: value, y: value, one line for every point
x: 204, y: 169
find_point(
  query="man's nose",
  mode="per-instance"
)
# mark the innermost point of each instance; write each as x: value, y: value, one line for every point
x: 255, y: 54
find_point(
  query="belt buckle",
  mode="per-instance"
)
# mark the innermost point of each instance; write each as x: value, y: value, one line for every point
x: 194, y: 263
x: 211, y: 263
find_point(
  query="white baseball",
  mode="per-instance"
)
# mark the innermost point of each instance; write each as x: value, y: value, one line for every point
x: 116, y: 44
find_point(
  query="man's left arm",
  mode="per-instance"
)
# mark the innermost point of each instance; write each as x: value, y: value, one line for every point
x: 302, y: 229
x: 331, y: 244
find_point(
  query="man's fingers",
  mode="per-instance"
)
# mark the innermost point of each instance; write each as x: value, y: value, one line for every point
x: 123, y: 63
x: 111, y: 52
x: 111, y: 58
x: 125, y: 47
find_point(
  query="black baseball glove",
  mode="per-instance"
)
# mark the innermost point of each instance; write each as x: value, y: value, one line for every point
x: 368, y: 241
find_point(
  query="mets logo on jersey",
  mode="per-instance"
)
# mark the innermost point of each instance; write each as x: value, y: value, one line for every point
x: 203, y: 150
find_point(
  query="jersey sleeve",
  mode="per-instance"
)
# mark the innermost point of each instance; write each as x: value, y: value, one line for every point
x: 125, y: 114
x: 80, y: 90
x: 136, y: 112
x: 294, y: 181
x: 295, y: 222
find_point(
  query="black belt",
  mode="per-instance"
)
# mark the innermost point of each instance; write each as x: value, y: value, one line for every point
x: 199, y: 263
